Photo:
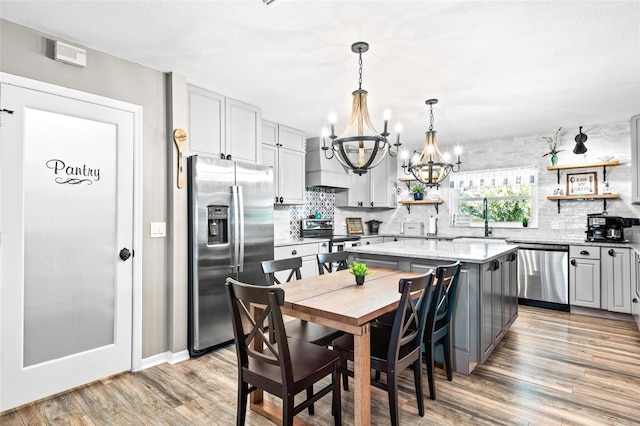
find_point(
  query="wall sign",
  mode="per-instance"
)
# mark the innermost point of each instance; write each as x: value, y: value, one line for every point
x: 582, y: 183
x: 73, y: 174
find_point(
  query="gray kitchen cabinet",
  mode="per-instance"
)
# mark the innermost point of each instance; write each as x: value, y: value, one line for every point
x: 283, y: 149
x: 479, y: 320
x: 223, y: 127
x: 635, y: 295
x: 635, y: 159
x: 584, y: 276
x: 492, y: 326
x: 616, y: 278
x: 376, y: 188
x: 509, y: 289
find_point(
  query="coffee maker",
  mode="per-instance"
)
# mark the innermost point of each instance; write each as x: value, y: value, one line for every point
x: 601, y: 227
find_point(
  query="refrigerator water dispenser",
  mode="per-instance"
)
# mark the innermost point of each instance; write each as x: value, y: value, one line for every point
x: 218, y: 225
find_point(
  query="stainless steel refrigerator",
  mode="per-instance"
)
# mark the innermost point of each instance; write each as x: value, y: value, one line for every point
x: 230, y: 233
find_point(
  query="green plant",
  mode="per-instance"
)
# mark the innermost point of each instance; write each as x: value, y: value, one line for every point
x: 358, y: 269
x: 553, y: 143
x: 418, y: 188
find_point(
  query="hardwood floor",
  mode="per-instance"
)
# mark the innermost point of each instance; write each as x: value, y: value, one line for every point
x: 552, y: 368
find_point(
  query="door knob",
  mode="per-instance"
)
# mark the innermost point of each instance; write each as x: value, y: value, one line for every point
x: 612, y: 252
x: 125, y: 254
x: 573, y: 262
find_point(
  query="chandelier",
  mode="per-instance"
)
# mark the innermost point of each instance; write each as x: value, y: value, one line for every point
x: 430, y: 166
x: 360, y: 152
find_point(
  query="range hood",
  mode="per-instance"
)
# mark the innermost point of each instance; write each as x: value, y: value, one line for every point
x: 323, y: 172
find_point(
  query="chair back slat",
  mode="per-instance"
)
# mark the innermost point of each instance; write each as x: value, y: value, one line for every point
x: 449, y: 275
x: 332, y: 262
x: 270, y: 267
x: 409, y: 322
x: 250, y: 333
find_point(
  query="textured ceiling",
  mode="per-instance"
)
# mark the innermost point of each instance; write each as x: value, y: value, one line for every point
x: 499, y: 68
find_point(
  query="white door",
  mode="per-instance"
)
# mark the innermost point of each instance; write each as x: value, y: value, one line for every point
x: 66, y: 195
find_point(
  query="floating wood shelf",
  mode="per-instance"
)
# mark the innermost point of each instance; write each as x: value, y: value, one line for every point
x: 602, y: 164
x: 603, y: 197
x: 408, y: 203
x: 584, y: 166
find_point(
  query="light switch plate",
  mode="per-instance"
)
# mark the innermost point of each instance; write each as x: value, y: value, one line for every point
x: 158, y: 230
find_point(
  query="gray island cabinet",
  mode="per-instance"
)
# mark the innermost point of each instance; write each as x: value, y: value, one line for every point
x: 487, y: 295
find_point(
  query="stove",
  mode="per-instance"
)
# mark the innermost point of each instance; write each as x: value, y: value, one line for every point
x: 323, y: 228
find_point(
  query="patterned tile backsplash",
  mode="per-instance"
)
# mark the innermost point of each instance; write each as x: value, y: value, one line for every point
x: 321, y: 200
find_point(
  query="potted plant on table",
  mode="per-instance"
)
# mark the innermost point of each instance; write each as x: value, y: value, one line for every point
x: 360, y: 271
x: 553, y: 145
x: 418, y: 191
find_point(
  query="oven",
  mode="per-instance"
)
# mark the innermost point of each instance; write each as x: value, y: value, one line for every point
x: 323, y: 228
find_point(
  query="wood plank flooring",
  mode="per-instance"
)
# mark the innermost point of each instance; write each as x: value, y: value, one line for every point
x: 552, y: 368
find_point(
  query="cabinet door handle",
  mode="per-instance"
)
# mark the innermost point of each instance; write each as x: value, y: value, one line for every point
x: 573, y: 262
x: 367, y: 243
x: 222, y: 157
x: 281, y: 199
x: 324, y: 244
x: 229, y: 157
x: 584, y: 253
x: 294, y: 252
x: 611, y: 252
x: 372, y: 204
x: 276, y: 199
x: 635, y: 300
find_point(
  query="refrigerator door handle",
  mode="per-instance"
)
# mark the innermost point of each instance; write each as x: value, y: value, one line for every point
x: 241, y: 216
x: 236, y: 227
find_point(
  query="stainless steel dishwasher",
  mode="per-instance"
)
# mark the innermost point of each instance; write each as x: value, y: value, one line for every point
x: 543, y: 276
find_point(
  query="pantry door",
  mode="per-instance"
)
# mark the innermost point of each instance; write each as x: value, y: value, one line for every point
x: 67, y: 209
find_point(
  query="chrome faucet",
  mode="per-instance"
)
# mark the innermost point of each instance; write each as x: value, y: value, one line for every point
x: 485, y: 208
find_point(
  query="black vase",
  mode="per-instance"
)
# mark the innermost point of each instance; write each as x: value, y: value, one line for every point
x: 359, y: 279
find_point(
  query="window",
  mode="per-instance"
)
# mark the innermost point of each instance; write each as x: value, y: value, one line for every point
x: 511, y: 197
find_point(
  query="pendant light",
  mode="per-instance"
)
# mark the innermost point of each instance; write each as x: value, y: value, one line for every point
x: 581, y: 138
x: 360, y: 152
x: 430, y: 166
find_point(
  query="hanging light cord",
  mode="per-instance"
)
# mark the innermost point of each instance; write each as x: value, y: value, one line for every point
x: 431, y: 118
x: 359, y: 69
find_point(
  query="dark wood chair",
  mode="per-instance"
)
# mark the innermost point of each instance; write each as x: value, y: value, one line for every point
x: 304, y: 330
x: 283, y: 368
x: 397, y: 348
x: 332, y: 262
x: 438, y: 328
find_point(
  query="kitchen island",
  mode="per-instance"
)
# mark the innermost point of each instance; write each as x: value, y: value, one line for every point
x: 487, y: 295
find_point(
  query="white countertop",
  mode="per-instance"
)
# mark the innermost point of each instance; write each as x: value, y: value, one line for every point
x: 438, y: 250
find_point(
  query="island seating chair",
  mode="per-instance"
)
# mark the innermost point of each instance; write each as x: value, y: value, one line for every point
x: 438, y: 329
x: 300, y: 329
x: 398, y: 348
x: 283, y: 368
x: 332, y: 262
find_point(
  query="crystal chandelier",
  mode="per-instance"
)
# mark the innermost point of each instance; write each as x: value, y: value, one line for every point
x: 431, y: 167
x: 360, y: 152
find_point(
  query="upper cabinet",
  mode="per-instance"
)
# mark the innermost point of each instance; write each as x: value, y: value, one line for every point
x: 283, y: 148
x: 635, y: 159
x: 223, y: 127
x: 376, y: 188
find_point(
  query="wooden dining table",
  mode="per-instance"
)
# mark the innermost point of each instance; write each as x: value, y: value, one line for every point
x: 336, y: 301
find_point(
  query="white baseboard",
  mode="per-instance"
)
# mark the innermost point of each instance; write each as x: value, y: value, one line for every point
x: 168, y: 357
